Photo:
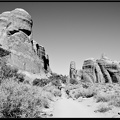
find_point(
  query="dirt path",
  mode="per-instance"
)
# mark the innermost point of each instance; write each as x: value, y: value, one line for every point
x: 67, y: 108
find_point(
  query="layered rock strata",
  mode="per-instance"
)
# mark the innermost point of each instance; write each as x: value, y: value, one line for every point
x: 17, y: 46
x: 102, y: 70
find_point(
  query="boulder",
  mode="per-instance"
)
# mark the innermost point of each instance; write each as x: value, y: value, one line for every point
x: 16, y: 39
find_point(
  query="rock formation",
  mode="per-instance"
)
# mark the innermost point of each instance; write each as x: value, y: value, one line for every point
x: 102, y: 70
x: 17, y: 46
x: 92, y: 68
x: 73, y: 71
x: 110, y: 70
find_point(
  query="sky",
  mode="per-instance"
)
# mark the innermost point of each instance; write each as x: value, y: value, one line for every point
x: 73, y: 31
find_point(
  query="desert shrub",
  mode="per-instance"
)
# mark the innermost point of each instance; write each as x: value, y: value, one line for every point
x: 75, y: 94
x: 76, y: 91
x: 55, y: 80
x: 80, y: 89
x: 20, y: 77
x: 7, y: 72
x: 40, y: 82
x: 86, y: 84
x: 10, y: 72
x: 83, y: 92
x: 103, y: 97
x: 103, y: 108
x: 18, y: 100
x: 115, y: 101
x: 63, y: 79
x: 105, y: 92
x: 3, y: 52
x: 73, y: 81
x: 56, y: 92
x: 88, y: 92
x: 53, y: 90
x: 70, y: 87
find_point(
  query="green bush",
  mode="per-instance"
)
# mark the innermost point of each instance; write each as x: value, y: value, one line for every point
x: 55, y: 80
x: 40, y: 82
x: 73, y: 81
x: 19, y: 101
x: 7, y: 72
x: 79, y: 90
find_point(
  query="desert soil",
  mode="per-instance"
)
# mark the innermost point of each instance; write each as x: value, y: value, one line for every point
x: 81, y: 108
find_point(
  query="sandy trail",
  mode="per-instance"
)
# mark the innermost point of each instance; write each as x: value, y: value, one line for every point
x: 68, y: 108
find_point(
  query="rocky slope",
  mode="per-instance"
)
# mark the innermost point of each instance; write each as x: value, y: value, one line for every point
x: 101, y: 70
x: 17, y: 46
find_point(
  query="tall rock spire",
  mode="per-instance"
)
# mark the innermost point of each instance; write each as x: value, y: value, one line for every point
x: 72, y: 72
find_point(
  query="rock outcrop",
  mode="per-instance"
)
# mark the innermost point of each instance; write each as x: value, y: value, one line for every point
x: 73, y: 71
x: 92, y: 68
x: 17, y: 46
x: 102, y: 70
x: 110, y: 69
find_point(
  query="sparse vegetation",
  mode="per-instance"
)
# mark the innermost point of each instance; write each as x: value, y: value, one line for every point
x: 73, y: 81
x: 103, y: 108
x: 101, y: 92
x: 109, y: 93
x: 10, y: 72
x: 19, y: 100
x: 55, y: 79
x: 103, y: 97
x: 80, y: 92
x: 115, y: 101
x: 76, y: 89
x: 64, y: 79
x: 40, y: 82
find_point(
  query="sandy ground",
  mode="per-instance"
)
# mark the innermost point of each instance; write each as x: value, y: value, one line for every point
x: 82, y: 108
